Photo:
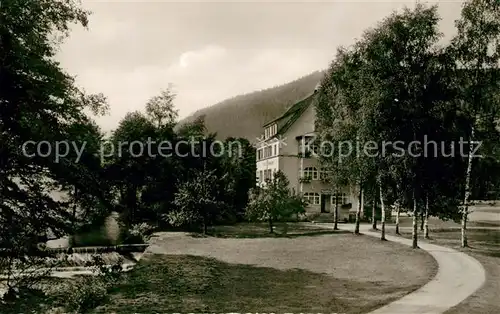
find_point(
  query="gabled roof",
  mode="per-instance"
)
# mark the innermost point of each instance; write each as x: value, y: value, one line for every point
x: 292, y: 114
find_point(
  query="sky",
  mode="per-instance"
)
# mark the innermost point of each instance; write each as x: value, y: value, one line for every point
x: 210, y: 51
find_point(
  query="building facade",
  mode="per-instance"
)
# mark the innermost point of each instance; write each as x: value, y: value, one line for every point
x: 285, y: 146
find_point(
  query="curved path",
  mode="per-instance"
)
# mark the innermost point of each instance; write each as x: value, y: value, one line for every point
x: 459, y: 276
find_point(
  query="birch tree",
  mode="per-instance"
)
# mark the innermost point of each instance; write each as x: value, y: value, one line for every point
x: 376, y: 91
x: 382, y: 219
x: 477, y: 51
x: 398, y: 70
x: 338, y: 112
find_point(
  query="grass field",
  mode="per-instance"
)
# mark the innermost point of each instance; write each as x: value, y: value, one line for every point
x: 165, y: 283
x: 304, y: 271
x: 261, y: 230
x: 335, y: 273
x: 436, y: 223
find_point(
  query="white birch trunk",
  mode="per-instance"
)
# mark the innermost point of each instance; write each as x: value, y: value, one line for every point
x: 382, y: 217
x: 374, y: 210
x: 465, y: 207
x: 426, y: 218
x: 358, y: 211
x: 398, y: 211
x: 414, y: 235
x: 362, y: 212
x: 336, y: 212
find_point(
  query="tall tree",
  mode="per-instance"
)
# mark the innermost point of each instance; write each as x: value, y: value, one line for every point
x: 477, y: 52
x: 338, y: 122
x: 197, y: 201
x: 38, y: 102
x: 161, y: 110
x: 387, y: 89
x: 274, y: 201
x: 131, y: 164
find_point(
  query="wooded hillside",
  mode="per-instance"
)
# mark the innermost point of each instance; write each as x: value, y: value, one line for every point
x: 244, y: 115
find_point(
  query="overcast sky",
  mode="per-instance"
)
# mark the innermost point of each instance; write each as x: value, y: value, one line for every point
x: 211, y: 51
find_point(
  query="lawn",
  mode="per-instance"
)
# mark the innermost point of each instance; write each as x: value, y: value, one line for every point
x: 173, y: 283
x: 336, y: 273
x: 485, y: 247
x: 436, y: 223
x: 261, y: 230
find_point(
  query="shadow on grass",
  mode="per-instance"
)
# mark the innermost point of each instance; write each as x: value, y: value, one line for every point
x: 261, y: 230
x: 275, y: 235
x: 174, y: 283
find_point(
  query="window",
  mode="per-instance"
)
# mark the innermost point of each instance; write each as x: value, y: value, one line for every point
x: 340, y: 197
x: 314, y: 148
x: 268, y: 174
x: 311, y: 198
x: 261, y: 177
x: 271, y: 130
x: 308, y: 146
x: 324, y: 174
x: 310, y: 172
x: 260, y: 154
x: 267, y: 151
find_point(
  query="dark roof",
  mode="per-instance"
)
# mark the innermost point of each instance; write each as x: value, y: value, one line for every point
x: 292, y: 114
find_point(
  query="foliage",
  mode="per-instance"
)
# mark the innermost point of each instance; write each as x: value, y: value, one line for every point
x: 160, y: 109
x: 149, y: 185
x: 476, y: 49
x: 274, y: 201
x: 197, y: 201
x: 138, y: 233
x: 87, y: 292
x: 402, y: 86
x: 40, y: 102
x: 236, y: 169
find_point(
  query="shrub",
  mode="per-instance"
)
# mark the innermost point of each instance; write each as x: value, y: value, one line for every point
x: 138, y: 233
x: 311, y: 216
x: 86, y: 293
x: 275, y: 202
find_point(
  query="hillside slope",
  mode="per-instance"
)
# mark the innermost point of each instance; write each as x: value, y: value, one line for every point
x: 244, y: 115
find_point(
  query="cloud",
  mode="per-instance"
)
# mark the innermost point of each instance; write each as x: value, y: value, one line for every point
x: 200, y: 77
x: 201, y: 57
x: 210, y: 51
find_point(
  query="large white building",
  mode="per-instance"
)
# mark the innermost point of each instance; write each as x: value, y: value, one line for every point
x: 281, y: 148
